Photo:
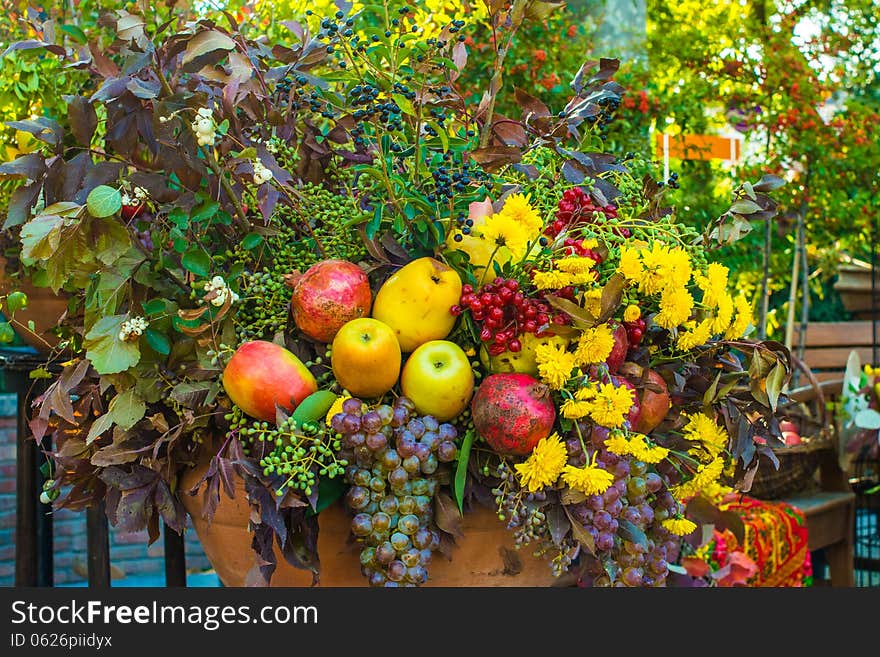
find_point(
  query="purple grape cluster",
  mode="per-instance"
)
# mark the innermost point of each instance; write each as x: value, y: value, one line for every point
x: 394, y: 455
x: 637, y: 499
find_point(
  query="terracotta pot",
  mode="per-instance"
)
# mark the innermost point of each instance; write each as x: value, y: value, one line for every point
x: 853, y: 285
x: 485, y: 556
x: 44, y: 308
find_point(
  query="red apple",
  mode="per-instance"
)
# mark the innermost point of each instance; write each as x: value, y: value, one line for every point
x: 791, y: 438
x: 786, y: 425
x: 262, y: 374
x: 329, y: 295
x: 653, y: 396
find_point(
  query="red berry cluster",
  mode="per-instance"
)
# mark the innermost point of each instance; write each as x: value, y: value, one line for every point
x: 576, y: 206
x: 573, y: 247
x: 635, y: 330
x: 506, y: 313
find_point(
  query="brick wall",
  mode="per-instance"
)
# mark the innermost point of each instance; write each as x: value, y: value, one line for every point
x: 129, y: 553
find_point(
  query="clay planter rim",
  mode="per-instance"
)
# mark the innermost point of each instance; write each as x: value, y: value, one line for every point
x: 44, y: 307
x: 483, y: 557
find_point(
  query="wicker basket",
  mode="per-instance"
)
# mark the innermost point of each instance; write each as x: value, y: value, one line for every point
x: 807, y: 409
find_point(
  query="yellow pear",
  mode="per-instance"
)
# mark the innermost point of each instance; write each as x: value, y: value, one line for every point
x: 415, y: 302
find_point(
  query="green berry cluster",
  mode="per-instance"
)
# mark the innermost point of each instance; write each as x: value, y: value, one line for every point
x: 300, y: 454
x: 264, y: 308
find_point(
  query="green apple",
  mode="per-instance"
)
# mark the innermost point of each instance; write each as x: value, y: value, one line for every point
x: 438, y: 379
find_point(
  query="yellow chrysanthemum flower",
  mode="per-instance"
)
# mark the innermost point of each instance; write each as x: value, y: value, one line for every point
x: 574, y: 409
x: 336, y: 408
x: 594, y: 345
x: 652, y: 454
x: 544, y: 464
x: 632, y: 313
x: 664, y: 268
x: 576, y: 264
x: 500, y: 230
x: 676, y: 304
x: 552, y: 280
x: 724, y: 314
x: 554, y: 364
x: 695, y: 337
x: 713, y: 284
x: 705, y: 477
x: 585, y: 393
x: 611, y: 404
x: 589, y: 480
x: 518, y: 208
x: 622, y: 445
x: 630, y: 264
x: 704, y: 430
x: 679, y: 526
x: 593, y: 301
x: 743, y: 318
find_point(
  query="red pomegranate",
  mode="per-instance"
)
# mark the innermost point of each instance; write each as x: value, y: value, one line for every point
x: 618, y: 351
x: 330, y: 294
x: 512, y: 412
x: 653, y: 395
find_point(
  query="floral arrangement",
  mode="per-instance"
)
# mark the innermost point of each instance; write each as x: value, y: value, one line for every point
x: 317, y: 267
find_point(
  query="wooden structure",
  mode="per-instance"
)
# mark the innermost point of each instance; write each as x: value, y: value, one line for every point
x: 828, y: 345
x: 830, y: 511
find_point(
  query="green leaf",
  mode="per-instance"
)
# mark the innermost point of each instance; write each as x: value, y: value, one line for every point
x: 629, y: 532
x: 127, y: 409
x: 111, y: 240
x: 40, y: 373
x: 373, y: 225
x: 205, y: 211
x: 109, y: 354
x: 75, y: 32
x: 16, y: 301
x: 7, y: 333
x: 775, y: 381
x: 154, y: 307
x: 329, y: 490
x: 461, y: 469
x: 251, y: 241
x: 197, y: 261
x: 179, y: 218
x: 104, y: 201
x: 99, y: 426
x: 159, y: 342
x: 41, y: 237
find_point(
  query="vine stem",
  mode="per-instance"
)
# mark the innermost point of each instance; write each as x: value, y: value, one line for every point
x: 243, y: 222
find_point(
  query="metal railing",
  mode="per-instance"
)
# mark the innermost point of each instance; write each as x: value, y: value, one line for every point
x: 34, y: 560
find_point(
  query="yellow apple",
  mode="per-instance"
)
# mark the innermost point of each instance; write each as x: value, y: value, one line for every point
x: 522, y: 361
x: 365, y: 357
x: 438, y: 379
x: 415, y: 302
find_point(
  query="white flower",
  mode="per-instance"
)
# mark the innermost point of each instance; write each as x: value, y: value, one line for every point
x: 221, y: 291
x: 140, y: 193
x: 133, y: 328
x: 261, y: 173
x: 204, y: 127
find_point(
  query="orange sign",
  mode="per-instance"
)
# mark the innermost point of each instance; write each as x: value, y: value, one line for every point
x: 698, y: 147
